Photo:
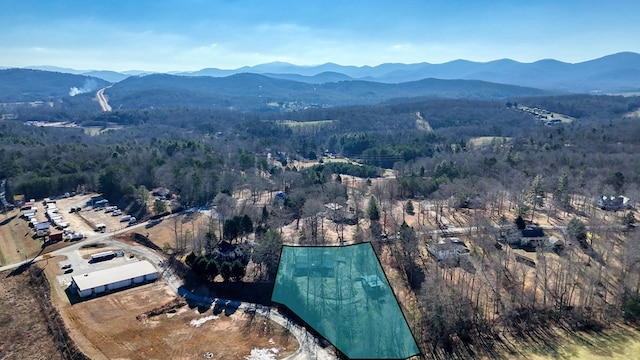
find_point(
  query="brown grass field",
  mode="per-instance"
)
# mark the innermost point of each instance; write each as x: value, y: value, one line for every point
x: 25, y: 334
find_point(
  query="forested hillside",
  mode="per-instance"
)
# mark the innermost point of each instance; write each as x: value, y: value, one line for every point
x: 261, y: 93
x: 496, y: 165
x: 22, y: 85
x: 165, y: 147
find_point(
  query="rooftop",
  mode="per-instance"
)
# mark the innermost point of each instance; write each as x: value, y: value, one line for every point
x: 532, y: 232
x: 112, y: 275
x: 450, y: 243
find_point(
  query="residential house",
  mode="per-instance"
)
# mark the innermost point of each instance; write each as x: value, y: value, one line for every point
x: 532, y: 236
x: 614, y: 203
x: 449, y: 250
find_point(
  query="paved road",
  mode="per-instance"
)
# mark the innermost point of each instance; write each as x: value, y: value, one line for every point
x: 309, y: 345
x: 103, y: 100
x: 101, y: 238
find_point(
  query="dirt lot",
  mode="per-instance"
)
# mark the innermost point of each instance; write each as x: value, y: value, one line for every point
x: 24, y: 330
x: 85, y: 220
x: 107, y: 328
x: 119, y: 325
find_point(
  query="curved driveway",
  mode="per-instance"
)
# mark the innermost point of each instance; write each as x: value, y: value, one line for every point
x: 309, y: 345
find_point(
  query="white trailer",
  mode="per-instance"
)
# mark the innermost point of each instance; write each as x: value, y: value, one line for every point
x: 42, y: 229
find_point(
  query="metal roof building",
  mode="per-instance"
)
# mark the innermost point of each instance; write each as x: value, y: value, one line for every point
x: 101, y: 281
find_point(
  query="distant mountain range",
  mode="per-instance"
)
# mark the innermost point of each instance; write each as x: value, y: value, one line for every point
x: 610, y: 74
x: 107, y: 75
x: 262, y: 93
x: 280, y: 84
x: 20, y: 85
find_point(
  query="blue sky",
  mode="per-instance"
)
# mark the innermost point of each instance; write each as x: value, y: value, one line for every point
x: 164, y: 35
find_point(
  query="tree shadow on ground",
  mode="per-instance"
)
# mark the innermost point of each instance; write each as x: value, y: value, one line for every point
x: 20, y: 269
x: 560, y: 339
x: 253, y: 292
x: 24, y: 266
x: 7, y: 220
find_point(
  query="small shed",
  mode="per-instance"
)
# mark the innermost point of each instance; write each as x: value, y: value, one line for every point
x: 373, y: 281
x: 55, y: 236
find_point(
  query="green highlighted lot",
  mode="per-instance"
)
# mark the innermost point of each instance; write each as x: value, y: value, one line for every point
x: 344, y: 295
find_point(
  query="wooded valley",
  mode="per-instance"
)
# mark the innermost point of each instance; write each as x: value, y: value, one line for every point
x: 486, y: 162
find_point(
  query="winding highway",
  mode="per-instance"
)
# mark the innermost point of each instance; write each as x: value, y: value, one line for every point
x: 104, y: 104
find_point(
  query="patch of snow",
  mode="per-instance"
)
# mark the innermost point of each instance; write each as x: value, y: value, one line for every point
x: 271, y: 342
x: 198, y: 322
x: 262, y: 354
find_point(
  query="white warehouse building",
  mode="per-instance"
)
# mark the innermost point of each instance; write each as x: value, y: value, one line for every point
x: 101, y: 281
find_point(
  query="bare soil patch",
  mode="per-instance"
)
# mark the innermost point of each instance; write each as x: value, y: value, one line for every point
x: 148, y: 323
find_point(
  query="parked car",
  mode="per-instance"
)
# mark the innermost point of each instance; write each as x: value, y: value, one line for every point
x: 125, y: 218
x: 116, y: 212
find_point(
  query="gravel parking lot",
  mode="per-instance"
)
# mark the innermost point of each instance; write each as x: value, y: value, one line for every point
x: 86, y: 220
x: 80, y: 261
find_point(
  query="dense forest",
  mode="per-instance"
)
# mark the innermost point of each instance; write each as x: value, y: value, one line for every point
x: 472, y: 154
x: 166, y: 147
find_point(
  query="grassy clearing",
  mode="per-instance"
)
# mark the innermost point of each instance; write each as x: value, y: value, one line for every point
x: 97, y: 130
x: 620, y: 343
x: 484, y: 141
x: 301, y: 124
x: 633, y: 114
x: 16, y: 240
x: 25, y: 334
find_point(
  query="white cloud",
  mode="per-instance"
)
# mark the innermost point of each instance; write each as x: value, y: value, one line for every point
x: 401, y: 47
